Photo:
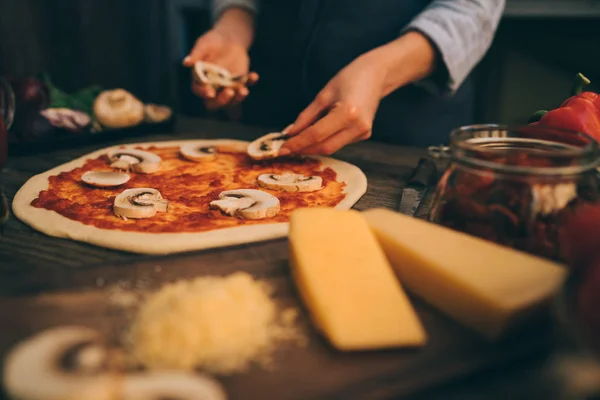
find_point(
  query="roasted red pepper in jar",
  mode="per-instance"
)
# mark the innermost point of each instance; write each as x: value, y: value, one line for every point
x: 580, y: 112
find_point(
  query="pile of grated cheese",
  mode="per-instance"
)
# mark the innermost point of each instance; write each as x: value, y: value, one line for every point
x: 218, y: 324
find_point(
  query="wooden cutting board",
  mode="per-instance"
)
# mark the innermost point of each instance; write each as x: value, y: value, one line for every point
x: 87, y: 296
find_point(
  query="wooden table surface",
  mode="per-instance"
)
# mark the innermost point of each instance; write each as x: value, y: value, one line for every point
x: 46, y: 281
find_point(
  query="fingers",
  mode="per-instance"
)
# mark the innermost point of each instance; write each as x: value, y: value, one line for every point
x: 252, y: 78
x: 311, y: 113
x: 240, y: 95
x: 337, y: 141
x: 221, y: 100
x: 338, y: 118
x: 203, y: 91
x: 198, y: 52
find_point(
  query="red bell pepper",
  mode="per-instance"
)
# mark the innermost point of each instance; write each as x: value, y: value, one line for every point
x: 580, y: 112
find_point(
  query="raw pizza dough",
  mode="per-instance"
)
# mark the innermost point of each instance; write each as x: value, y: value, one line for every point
x: 54, y: 224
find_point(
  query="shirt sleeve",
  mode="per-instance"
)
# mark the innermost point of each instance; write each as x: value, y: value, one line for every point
x: 462, y: 31
x: 218, y: 6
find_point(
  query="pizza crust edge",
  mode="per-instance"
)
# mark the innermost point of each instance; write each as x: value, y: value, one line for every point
x: 53, y: 224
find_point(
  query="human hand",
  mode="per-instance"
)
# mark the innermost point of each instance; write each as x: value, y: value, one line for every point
x: 227, y: 48
x: 342, y: 112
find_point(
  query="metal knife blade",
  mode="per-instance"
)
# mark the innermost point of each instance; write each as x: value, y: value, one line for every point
x: 416, y: 187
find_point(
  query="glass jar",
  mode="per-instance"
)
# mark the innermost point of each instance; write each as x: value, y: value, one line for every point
x: 7, y: 112
x: 510, y: 185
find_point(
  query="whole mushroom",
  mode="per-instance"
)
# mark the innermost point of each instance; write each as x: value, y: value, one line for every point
x: 247, y: 203
x: 118, y: 109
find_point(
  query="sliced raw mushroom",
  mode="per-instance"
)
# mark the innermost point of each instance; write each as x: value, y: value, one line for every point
x: 118, y: 109
x: 49, y: 366
x: 195, y: 152
x: 216, y: 76
x: 155, y: 113
x: 172, y: 386
x: 290, y: 182
x: 105, y: 178
x: 139, y: 203
x: 136, y: 160
x: 247, y: 203
x: 267, y: 146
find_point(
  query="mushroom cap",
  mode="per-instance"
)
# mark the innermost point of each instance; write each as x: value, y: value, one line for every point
x: 247, y: 203
x: 137, y: 160
x: 196, y: 152
x: 155, y: 113
x: 105, y: 178
x: 139, y: 203
x: 267, y: 146
x: 118, y: 108
x: 172, y: 385
x: 34, y: 369
x: 290, y: 182
x: 212, y: 74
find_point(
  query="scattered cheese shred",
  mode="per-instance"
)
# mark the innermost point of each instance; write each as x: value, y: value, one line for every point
x: 218, y: 324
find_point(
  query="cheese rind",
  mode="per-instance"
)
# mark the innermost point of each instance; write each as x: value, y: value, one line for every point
x: 347, y: 283
x: 490, y: 288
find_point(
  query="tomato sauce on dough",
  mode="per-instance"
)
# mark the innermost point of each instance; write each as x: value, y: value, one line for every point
x: 190, y: 187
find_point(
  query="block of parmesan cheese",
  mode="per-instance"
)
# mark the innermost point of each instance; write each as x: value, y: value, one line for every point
x: 347, y: 283
x: 485, y: 286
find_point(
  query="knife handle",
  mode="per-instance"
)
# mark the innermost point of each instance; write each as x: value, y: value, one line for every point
x: 424, y: 173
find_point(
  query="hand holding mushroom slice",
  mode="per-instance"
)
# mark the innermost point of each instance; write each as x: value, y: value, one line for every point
x: 105, y: 178
x: 247, y: 203
x: 137, y: 160
x: 267, y: 146
x: 195, y: 152
x: 118, y: 109
x: 216, y: 76
x: 139, y: 203
x: 291, y: 182
x: 172, y: 385
x: 46, y: 367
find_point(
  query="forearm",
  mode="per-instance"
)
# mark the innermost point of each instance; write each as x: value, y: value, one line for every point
x: 407, y: 59
x: 235, y: 18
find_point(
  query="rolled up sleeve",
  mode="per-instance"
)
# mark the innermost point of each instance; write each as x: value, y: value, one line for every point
x: 462, y: 31
x: 218, y: 6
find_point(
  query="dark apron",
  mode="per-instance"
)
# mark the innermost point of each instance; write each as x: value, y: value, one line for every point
x: 301, y: 44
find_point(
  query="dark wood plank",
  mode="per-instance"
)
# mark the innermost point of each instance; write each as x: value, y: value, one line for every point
x: 315, y: 372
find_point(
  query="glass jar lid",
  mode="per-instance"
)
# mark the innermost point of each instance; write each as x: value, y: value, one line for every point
x: 528, y: 150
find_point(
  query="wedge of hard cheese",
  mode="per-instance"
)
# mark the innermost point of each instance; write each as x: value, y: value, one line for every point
x: 347, y: 283
x: 487, y: 287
